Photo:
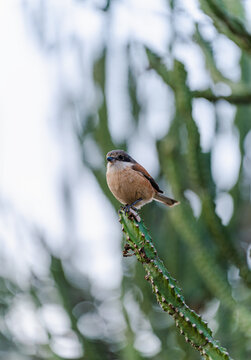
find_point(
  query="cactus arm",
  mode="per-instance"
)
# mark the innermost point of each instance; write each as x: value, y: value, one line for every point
x: 168, y: 294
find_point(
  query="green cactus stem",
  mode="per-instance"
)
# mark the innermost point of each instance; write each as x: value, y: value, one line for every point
x: 168, y: 294
x: 237, y: 99
x: 227, y: 24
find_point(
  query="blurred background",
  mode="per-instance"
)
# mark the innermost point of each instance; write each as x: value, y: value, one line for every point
x: 168, y: 81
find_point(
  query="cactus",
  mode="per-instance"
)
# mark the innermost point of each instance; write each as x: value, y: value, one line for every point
x: 168, y: 294
x: 228, y: 24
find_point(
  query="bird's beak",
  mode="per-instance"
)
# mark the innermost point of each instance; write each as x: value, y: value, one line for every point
x: 110, y: 158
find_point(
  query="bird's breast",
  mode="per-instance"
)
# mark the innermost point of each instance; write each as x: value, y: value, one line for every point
x: 127, y: 185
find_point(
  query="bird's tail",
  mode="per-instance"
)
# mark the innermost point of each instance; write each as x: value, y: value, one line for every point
x: 165, y: 200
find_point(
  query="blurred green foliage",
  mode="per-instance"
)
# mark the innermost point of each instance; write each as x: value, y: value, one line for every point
x: 208, y: 259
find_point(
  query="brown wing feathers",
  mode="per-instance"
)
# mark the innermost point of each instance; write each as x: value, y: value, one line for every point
x: 143, y: 171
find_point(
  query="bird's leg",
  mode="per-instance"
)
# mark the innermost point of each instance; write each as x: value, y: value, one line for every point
x: 129, y: 208
x: 134, y: 203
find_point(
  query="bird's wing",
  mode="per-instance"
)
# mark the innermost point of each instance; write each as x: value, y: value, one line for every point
x: 143, y: 171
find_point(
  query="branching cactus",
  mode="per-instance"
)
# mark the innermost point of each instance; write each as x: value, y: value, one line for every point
x: 168, y: 294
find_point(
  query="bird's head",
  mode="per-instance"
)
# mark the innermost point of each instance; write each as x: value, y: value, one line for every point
x: 116, y: 157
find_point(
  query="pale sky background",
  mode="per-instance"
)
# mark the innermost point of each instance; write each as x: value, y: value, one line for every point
x: 35, y: 150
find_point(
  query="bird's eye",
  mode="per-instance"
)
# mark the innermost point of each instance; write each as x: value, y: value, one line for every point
x: 121, y: 157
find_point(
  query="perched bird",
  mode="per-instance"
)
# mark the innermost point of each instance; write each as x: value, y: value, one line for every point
x: 130, y: 183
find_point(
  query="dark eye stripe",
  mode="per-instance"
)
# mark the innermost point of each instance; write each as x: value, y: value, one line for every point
x: 124, y: 158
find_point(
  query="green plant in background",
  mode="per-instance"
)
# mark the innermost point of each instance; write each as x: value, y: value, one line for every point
x: 207, y: 257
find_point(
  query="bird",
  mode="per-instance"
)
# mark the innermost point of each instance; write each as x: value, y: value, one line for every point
x: 131, y: 184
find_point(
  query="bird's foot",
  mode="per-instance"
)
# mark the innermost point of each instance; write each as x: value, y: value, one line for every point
x: 132, y: 212
x: 126, y: 208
